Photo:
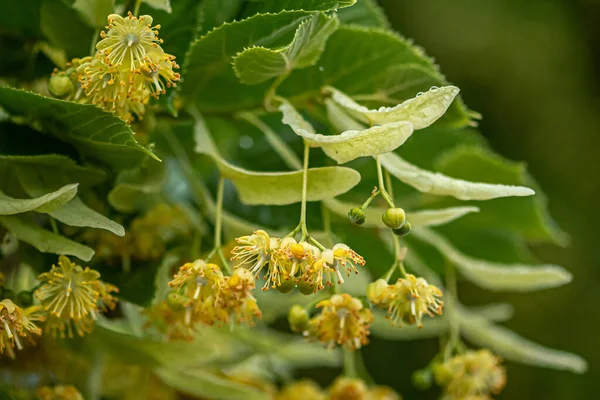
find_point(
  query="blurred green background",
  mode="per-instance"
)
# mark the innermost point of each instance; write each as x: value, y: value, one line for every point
x: 531, y: 68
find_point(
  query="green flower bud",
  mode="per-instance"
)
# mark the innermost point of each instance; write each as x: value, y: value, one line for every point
x: 25, y: 299
x: 422, y: 379
x: 60, y: 86
x: 404, y: 230
x: 287, y: 286
x: 298, y: 318
x: 306, y: 288
x: 394, y: 217
x: 356, y: 216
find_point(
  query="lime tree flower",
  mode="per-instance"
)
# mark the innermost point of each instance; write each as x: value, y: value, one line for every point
x: 471, y: 375
x: 128, y: 68
x: 301, y: 390
x: 210, y: 297
x: 343, y: 320
x: 59, y: 392
x: 408, y: 300
x: 16, y: 324
x: 129, y: 41
x: 344, y: 388
x: 73, y: 296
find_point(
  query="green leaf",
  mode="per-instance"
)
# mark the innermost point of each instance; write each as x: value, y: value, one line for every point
x: 35, y: 182
x: 350, y: 144
x: 421, y: 111
x: 214, y: 13
x: 442, y: 185
x: 513, y: 347
x: 497, y: 276
x: 65, y: 29
x: 76, y: 213
x: 208, y: 66
x: 421, y: 218
x: 277, y: 188
x: 365, y: 13
x: 258, y: 64
x: 132, y: 187
x: 527, y: 216
x: 160, y: 4
x: 202, y: 383
x: 45, y: 203
x: 97, y: 134
x: 379, y: 67
x: 95, y: 12
x: 43, y: 240
x: 275, y: 6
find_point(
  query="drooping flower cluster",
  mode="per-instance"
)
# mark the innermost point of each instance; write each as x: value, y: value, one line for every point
x: 289, y: 263
x: 203, y: 294
x: 129, y: 67
x: 147, y: 236
x: 408, y: 300
x: 59, y: 392
x: 472, y: 375
x: 73, y: 296
x: 343, y: 320
x: 16, y: 324
x: 341, y: 389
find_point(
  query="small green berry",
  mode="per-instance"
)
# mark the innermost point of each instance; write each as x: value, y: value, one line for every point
x: 298, y: 318
x: 394, y: 217
x: 422, y: 379
x: 404, y: 230
x: 356, y: 216
x: 287, y: 286
x: 60, y: 86
x: 306, y: 288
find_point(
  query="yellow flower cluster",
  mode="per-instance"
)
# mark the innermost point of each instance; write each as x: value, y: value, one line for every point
x: 291, y: 264
x: 473, y: 375
x: 129, y: 67
x: 205, y: 295
x: 147, y: 236
x: 407, y: 300
x: 59, y: 392
x: 343, y: 320
x: 73, y: 296
x: 341, y: 389
x: 16, y: 324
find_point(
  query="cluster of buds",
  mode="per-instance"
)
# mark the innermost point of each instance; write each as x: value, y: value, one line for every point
x: 73, y: 297
x: 290, y: 264
x: 147, y: 236
x: 471, y: 375
x: 343, y: 320
x: 341, y: 389
x: 128, y: 68
x: 408, y: 300
x: 203, y: 294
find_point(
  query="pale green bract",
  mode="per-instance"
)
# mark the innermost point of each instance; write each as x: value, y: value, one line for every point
x: 421, y: 111
x: 258, y: 64
x: 442, y: 185
x: 277, y: 188
x: 43, y: 240
x: 513, y: 347
x: 45, y: 203
x: 350, y: 144
x: 497, y: 276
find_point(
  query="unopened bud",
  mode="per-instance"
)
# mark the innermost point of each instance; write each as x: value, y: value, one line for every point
x: 422, y: 379
x: 298, y: 318
x: 394, y: 218
x: 60, y: 86
x: 404, y: 230
x: 356, y: 216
